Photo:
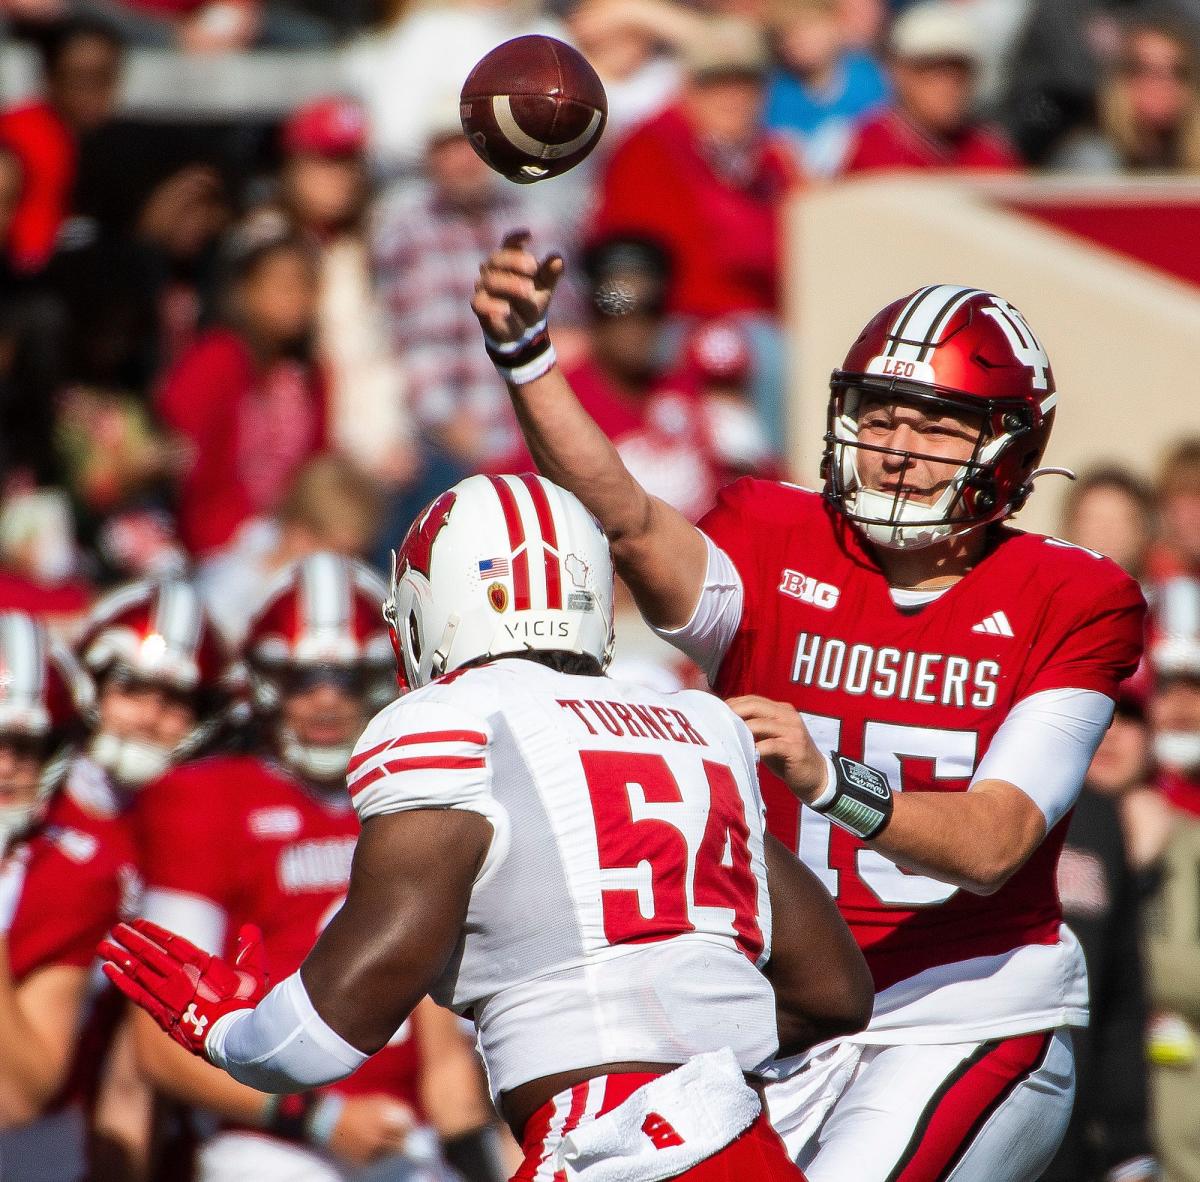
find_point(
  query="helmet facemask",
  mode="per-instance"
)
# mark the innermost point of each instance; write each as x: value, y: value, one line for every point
x: 898, y: 520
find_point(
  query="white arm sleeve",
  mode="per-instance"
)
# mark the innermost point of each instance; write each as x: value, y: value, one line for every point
x: 708, y: 634
x: 1045, y: 745
x: 283, y: 1044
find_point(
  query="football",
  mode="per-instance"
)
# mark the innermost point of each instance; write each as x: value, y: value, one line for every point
x: 533, y: 108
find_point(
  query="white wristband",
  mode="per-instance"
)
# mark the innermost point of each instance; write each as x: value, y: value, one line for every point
x: 830, y: 790
x: 522, y: 375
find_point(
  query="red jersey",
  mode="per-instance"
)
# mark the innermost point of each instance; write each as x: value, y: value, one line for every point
x: 888, y: 141
x: 79, y: 880
x: 242, y: 835
x: 47, y: 150
x: 918, y: 693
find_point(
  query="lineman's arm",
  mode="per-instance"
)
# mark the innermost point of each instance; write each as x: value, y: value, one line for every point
x: 657, y: 551
x: 410, y: 885
x: 978, y: 839
x: 822, y: 986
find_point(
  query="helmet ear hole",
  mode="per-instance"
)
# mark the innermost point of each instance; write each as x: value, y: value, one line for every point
x: 414, y: 637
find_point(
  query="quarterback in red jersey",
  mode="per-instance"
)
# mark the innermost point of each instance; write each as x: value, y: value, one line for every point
x: 268, y: 838
x: 576, y: 861
x: 64, y: 877
x: 894, y: 620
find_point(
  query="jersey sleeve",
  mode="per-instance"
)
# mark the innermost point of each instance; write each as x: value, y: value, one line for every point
x: 706, y: 637
x: 1094, y: 643
x: 422, y: 755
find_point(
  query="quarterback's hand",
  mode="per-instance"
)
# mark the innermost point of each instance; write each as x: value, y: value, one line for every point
x: 513, y: 291
x: 182, y: 987
x: 370, y: 1127
x: 784, y: 744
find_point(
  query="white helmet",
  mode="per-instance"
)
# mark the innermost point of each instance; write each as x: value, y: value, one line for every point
x: 495, y: 565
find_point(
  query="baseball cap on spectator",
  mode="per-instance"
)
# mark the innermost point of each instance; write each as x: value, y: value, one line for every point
x: 725, y: 47
x: 331, y: 126
x: 935, y: 31
x: 627, y: 274
x: 718, y: 351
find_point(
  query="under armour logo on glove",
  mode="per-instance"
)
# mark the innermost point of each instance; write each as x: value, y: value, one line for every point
x: 660, y: 1131
x: 182, y: 987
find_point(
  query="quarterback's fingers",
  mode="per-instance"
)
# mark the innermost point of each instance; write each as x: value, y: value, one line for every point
x: 549, y: 272
x: 515, y: 239
x: 494, y: 311
x: 518, y: 288
x: 519, y: 262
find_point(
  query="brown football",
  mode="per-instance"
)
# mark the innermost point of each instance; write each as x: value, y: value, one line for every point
x: 533, y: 108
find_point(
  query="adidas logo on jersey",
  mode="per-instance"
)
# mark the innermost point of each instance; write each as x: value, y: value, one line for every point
x: 995, y: 625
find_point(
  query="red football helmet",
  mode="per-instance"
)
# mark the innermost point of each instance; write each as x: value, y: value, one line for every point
x: 44, y: 696
x: 954, y: 350
x: 155, y: 633
x: 322, y: 619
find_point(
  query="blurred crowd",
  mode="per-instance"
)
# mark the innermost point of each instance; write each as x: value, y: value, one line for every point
x: 238, y: 356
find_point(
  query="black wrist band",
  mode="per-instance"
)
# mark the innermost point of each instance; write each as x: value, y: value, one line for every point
x: 862, y: 798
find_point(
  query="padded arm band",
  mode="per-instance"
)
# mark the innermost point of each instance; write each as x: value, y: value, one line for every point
x: 282, y: 1045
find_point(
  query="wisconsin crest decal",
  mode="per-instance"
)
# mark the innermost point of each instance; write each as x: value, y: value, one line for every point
x: 497, y: 594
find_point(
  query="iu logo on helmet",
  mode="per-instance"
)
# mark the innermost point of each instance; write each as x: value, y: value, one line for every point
x: 417, y: 550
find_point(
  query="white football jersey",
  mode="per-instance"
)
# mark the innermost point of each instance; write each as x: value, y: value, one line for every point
x: 622, y: 911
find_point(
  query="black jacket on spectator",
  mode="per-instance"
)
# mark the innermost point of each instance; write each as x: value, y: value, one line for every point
x: 1101, y: 903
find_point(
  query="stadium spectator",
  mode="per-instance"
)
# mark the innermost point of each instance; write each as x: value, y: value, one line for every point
x: 325, y: 191
x: 1177, y: 551
x: 708, y: 181
x: 65, y: 876
x: 428, y: 247
x: 821, y: 87
x: 634, y: 46
x: 247, y: 397
x: 1110, y: 510
x: 272, y: 846
x: 39, y: 557
x: 216, y: 26
x: 404, y: 72
x: 1148, y: 107
x: 864, y: 22
x: 1174, y: 931
x: 933, y: 61
x: 332, y: 505
x: 81, y: 66
x: 1108, y: 1136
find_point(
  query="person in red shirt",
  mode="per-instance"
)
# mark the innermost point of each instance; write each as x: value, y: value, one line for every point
x: 933, y: 61
x: 81, y: 62
x: 706, y: 180
x: 247, y: 396
x: 267, y: 837
x: 65, y: 875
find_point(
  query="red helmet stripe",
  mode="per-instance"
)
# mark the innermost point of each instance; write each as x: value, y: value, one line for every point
x: 516, y: 540
x: 541, y: 504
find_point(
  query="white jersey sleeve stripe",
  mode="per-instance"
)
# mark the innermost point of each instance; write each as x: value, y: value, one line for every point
x: 411, y: 740
x: 417, y: 763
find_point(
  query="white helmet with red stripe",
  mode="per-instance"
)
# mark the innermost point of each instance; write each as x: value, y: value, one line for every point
x: 44, y: 696
x: 155, y: 632
x: 320, y: 620
x: 495, y: 565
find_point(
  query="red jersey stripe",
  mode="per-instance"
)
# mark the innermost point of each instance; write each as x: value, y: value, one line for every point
x: 409, y: 740
x: 516, y: 538
x: 541, y: 504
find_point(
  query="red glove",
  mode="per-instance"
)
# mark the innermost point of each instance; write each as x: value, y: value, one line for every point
x: 182, y: 987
